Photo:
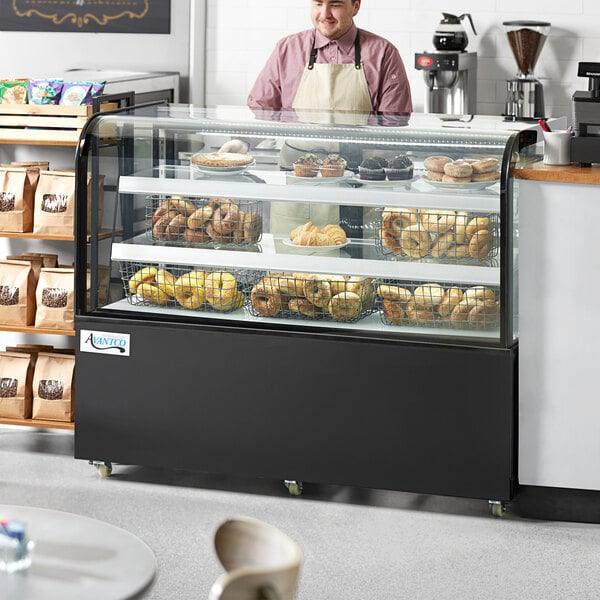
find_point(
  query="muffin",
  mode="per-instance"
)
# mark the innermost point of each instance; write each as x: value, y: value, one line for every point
x: 371, y: 169
x: 307, y: 165
x: 333, y: 166
x: 400, y: 167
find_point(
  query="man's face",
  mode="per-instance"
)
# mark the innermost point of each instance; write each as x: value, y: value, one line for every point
x: 333, y: 18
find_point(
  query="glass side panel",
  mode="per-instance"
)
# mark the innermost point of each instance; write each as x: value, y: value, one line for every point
x: 370, y: 226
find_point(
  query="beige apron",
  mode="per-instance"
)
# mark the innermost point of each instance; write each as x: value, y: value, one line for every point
x: 336, y: 88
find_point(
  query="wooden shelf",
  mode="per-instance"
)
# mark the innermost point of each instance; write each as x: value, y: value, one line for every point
x: 41, y: 423
x: 103, y: 235
x: 38, y: 330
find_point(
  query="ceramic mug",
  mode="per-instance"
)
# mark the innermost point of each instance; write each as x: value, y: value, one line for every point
x: 557, y: 147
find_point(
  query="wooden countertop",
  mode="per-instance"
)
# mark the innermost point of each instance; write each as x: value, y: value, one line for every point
x: 572, y: 173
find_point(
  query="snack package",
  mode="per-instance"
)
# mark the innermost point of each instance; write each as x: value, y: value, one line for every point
x: 16, y: 375
x: 44, y: 91
x: 53, y: 387
x: 75, y: 93
x: 13, y: 91
x: 16, y: 200
x: 55, y: 298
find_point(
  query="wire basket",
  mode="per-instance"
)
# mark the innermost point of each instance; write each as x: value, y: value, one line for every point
x: 451, y: 306
x: 445, y: 236
x: 178, y: 286
x: 311, y: 296
x: 203, y: 221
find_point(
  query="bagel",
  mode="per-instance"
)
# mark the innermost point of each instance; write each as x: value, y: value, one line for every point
x: 491, y: 176
x: 199, y: 217
x: 415, y: 241
x: 189, y: 290
x: 484, y: 315
x: 265, y: 300
x: 144, y: 275
x: 290, y: 285
x: 442, y: 244
x: 165, y: 281
x: 151, y: 293
x: 477, y: 224
x: 175, y: 228
x: 347, y: 283
x: 196, y: 236
x: 393, y: 311
x: 225, y: 218
x: 436, y: 163
x: 390, y: 241
x: 345, y: 306
x: 458, y: 168
x: 452, y: 179
x: 460, y: 226
x: 459, y: 315
x: 304, y: 307
x: 458, y: 251
x: 477, y: 294
x: 394, y: 293
x: 237, y: 301
x: 452, y: 296
x: 220, y: 288
x: 418, y: 315
x: 396, y: 219
x: 317, y: 289
x: 428, y: 295
x: 480, y: 244
x: 434, y: 175
x: 485, y: 165
x: 252, y: 227
x: 214, y: 236
x: 160, y: 225
x: 437, y: 221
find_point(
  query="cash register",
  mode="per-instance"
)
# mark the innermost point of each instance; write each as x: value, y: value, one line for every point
x: 585, y: 143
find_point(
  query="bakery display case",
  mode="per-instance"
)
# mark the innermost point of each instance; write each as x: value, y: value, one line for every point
x: 335, y: 305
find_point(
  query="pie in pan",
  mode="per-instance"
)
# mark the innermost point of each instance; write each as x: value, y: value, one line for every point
x: 222, y: 159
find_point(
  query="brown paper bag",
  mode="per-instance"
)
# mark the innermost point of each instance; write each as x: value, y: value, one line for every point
x: 17, y: 293
x: 36, y: 263
x: 16, y: 374
x: 33, y: 170
x: 16, y: 200
x: 54, y: 205
x: 49, y: 261
x: 103, y: 285
x: 55, y: 299
x: 53, y: 387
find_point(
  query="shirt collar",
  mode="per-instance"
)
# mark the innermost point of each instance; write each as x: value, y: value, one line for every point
x: 346, y: 42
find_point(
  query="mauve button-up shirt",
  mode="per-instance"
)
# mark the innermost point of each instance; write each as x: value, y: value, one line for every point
x: 277, y: 84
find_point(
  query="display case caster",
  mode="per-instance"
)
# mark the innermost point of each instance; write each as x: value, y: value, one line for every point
x: 103, y: 467
x: 294, y: 487
x: 497, y: 508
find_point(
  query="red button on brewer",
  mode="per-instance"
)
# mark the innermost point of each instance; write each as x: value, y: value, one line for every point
x: 424, y: 61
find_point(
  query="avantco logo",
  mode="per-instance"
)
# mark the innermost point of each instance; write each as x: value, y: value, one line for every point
x: 104, y: 342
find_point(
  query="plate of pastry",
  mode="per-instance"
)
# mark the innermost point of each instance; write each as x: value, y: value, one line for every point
x: 221, y: 162
x: 384, y: 182
x: 311, y: 249
x: 461, y: 186
x: 319, y: 178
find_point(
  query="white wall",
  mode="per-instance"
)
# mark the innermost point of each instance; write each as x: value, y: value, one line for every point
x: 32, y: 54
x: 241, y: 34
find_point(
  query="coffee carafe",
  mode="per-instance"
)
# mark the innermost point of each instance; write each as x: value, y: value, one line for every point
x: 450, y: 33
x: 524, y: 93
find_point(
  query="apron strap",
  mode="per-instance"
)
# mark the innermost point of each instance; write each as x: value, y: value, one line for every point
x: 313, y: 54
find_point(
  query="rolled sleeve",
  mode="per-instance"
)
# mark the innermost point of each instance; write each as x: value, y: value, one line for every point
x: 394, y: 93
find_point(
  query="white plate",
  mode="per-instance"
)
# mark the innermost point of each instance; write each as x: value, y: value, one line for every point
x: 315, y: 248
x: 319, y: 178
x: 384, y: 182
x: 469, y: 185
x: 226, y: 170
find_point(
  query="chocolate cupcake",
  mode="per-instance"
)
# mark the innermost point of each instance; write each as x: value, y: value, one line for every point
x: 333, y: 166
x: 307, y: 165
x: 400, y: 167
x: 371, y: 169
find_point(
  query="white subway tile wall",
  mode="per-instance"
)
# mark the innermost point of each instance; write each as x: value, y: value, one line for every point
x: 241, y: 35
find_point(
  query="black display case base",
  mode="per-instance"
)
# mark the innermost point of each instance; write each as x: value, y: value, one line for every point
x: 559, y: 504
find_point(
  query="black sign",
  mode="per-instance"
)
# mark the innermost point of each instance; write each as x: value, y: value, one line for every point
x: 111, y: 16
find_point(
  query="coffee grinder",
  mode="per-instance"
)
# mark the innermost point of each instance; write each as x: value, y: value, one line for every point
x: 585, y: 144
x: 450, y: 73
x: 524, y: 93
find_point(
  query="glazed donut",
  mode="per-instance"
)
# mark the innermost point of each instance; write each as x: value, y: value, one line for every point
x: 484, y: 315
x: 477, y: 294
x: 459, y: 315
x: 458, y: 251
x: 252, y: 227
x: 265, y: 300
x: 460, y: 227
x: 485, y: 165
x: 415, y: 241
x: 304, y: 307
x: 220, y: 288
x: 452, y: 296
x: 390, y: 241
x: 345, y: 306
x: 434, y: 175
x: 396, y: 219
x: 436, y: 163
x: 160, y: 225
x: 225, y: 219
x: 480, y: 244
x: 394, y: 293
x: 151, y: 293
x: 428, y: 295
x: 418, y: 315
x: 196, y: 236
x: 442, y: 244
x: 197, y: 219
x: 144, y: 275
x: 393, y: 311
x: 458, y: 168
x: 165, y: 282
x: 317, y: 289
x: 189, y: 290
x: 437, y: 221
x: 175, y: 228
x: 491, y: 176
x: 477, y: 224
x: 451, y: 179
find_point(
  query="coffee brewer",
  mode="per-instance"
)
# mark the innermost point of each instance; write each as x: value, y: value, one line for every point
x: 524, y: 93
x: 585, y: 144
x: 450, y: 73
